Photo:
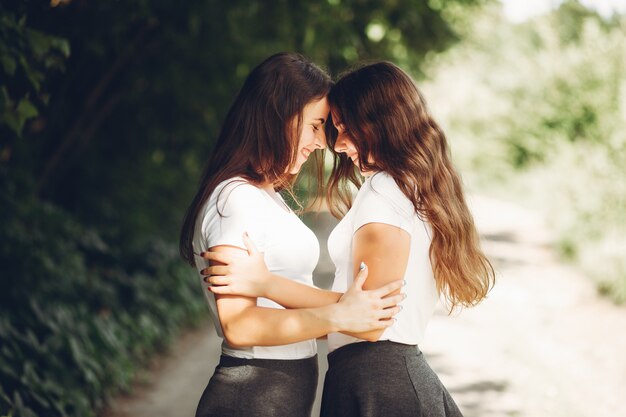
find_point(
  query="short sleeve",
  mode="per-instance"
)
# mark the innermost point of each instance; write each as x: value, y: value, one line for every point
x: 233, y: 210
x: 381, y: 201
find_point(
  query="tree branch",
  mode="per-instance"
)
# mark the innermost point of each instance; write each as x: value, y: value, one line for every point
x: 85, y: 122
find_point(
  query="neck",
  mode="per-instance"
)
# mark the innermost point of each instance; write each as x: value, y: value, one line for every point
x: 267, y: 186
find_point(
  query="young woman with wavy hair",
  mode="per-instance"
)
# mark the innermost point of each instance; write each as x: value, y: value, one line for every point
x: 268, y: 365
x: 409, y: 220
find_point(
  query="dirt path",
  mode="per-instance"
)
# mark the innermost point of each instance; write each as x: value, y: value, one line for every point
x: 542, y: 344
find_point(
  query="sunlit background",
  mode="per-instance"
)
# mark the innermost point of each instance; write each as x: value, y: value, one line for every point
x: 108, y: 111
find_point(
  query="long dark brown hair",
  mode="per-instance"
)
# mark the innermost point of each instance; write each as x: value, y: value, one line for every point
x: 385, y: 116
x: 257, y: 141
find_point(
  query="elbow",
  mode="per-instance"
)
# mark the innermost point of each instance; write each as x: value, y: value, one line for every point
x: 372, y: 336
x: 235, y: 338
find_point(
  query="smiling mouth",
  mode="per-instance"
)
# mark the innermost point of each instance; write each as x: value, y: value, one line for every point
x: 305, y: 153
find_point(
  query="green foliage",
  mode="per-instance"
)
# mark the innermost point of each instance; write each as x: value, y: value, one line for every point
x: 26, y: 56
x: 543, y: 105
x: 136, y: 112
x: 78, y: 315
x: 131, y: 120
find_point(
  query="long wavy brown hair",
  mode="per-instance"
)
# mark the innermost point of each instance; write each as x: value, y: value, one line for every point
x: 257, y: 140
x: 385, y: 116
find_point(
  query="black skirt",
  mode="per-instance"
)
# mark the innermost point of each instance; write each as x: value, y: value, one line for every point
x: 383, y: 379
x: 260, y: 387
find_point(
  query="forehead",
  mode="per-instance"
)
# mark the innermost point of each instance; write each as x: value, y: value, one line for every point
x: 316, y: 109
x: 334, y: 113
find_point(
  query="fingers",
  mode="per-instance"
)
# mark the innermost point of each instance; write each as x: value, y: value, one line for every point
x: 249, y: 244
x: 389, y: 312
x: 392, y: 300
x: 383, y: 324
x: 220, y: 257
x: 388, y: 288
x: 360, y: 278
x: 387, y: 323
x: 216, y: 270
x: 217, y: 280
x: 221, y: 290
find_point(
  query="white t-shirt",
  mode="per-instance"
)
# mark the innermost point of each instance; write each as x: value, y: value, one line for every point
x: 291, y: 249
x: 380, y: 200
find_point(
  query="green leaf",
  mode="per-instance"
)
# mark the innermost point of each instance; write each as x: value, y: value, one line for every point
x: 5, y: 99
x: 9, y: 64
x: 16, y: 118
x: 26, y: 110
x: 42, y: 44
x: 62, y: 45
x: 34, y: 76
x: 10, y: 120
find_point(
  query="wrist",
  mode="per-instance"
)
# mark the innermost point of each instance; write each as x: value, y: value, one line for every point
x: 331, y: 315
x: 268, y: 285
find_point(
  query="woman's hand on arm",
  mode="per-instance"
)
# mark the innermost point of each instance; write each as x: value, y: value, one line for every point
x: 245, y: 324
x: 385, y: 250
x: 379, y: 305
x: 357, y: 311
x: 237, y: 272
x: 249, y: 276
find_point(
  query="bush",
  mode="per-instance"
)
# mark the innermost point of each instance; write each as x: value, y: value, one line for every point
x: 78, y: 315
x: 540, y: 108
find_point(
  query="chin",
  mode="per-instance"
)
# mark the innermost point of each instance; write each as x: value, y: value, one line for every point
x: 296, y: 170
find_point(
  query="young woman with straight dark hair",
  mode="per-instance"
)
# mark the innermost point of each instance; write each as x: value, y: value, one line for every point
x: 268, y: 365
x: 409, y: 220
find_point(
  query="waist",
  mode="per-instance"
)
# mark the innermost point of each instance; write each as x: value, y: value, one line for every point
x: 292, y: 351
x: 230, y: 361
x: 368, y: 351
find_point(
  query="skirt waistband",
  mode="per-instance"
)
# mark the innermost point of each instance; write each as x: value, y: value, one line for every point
x: 365, y: 349
x: 230, y: 361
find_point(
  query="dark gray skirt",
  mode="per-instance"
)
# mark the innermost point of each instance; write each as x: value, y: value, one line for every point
x: 383, y: 379
x: 260, y: 387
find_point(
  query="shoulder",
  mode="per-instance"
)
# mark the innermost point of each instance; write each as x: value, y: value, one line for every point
x: 383, y: 183
x: 236, y: 187
x: 380, y: 200
x: 383, y: 187
x: 235, y: 193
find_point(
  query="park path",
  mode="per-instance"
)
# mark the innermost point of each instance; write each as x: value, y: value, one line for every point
x: 543, y: 344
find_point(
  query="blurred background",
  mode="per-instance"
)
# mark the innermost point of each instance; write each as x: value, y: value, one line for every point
x: 108, y: 111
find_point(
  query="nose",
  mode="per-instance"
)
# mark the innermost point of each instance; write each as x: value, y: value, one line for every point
x: 340, y: 145
x: 320, y: 140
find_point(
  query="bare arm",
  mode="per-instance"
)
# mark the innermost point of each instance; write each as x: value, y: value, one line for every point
x: 248, y: 275
x: 292, y: 294
x: 245, y: 324
x: 385, y: 250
